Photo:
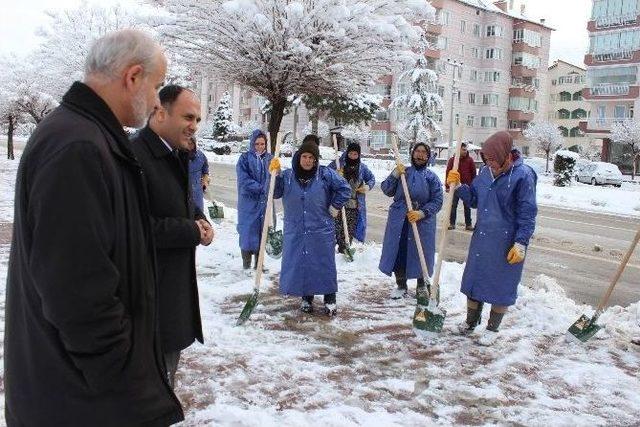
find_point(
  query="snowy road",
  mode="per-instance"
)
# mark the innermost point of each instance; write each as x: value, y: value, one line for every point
x: 563, y: 247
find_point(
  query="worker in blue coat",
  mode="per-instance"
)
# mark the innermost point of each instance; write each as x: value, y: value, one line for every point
x: 198, y: 174
x: 504, y: 194
x: 312, y: 196
x: 253, y: 177
x: 399, y: 250
x: 361, y: 180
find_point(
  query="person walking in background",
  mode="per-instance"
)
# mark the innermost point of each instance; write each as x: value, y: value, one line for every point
x: 467, y: 169
x: 504, y: 194
x: 252, y: 171
x: 361, y: 180
x: 312, y: 196
x: 399, y: 250
x: 198, y: 174
x: 179, y: 226
x: 81, y: 344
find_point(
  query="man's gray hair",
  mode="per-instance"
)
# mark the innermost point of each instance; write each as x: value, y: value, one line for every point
x: 113, y: 52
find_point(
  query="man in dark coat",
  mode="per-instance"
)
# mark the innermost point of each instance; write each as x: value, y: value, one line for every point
x: 467, y: 169
x: 178, y: 224
x: 81, y: 347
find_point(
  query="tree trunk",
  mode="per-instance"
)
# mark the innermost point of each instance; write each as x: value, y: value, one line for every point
x: 10, y: 130
x: 636, y: 158
x: 314, y: 123
x: 275, y: 119
x: 295, y: 124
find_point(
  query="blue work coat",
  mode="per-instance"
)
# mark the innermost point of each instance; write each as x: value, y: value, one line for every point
x: 198, y: 166
x: 365, y: 176
x: 506, y: 214
x: 425, y: 190
x: 253, y: 184
x: 308, y: 252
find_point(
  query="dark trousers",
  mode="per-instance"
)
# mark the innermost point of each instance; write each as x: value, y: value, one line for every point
x: 454, y: 209
x: 246, y: 259
x: 171, y: 361
x: 328, y: 298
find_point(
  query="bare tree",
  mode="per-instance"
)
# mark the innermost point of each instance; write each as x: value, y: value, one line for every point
x: 546, y: 136
x: 306, y: 47
x: 628, y: 133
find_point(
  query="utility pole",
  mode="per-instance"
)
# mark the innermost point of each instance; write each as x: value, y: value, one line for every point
x: 454, y: 65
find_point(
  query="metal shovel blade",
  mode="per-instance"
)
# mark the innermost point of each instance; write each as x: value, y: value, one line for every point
x: 583, y: 329
x: 429, y: 318
x: 348, y: 254
x: 248, y: 308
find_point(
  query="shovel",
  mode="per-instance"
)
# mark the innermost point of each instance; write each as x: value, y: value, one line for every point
x: 584, y: 328
x: 348, y: 252
x: 251, y: 303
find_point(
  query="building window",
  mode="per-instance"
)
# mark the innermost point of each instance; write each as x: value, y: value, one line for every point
x: 476, y: 30
x: 488, y: 122
x: 492, y: 76
x: 473, y: 75
x: 564, y: 114
x: 564, y: 131
x: 475, y: 52
x: 463, y: 26
x: 579, y: 114
x: 529, y: 37
x: 459, y: 96
x: 443, y: 43
x: 378, y: 139
x: 527, y: 60
x: 472, y: 98
x: 461, y: 50
x: 471, y: 121
x: 565, y: 97
x: 446, y: 17
x: 576, y: 133
x: 493, y: 53
x: 457, y: 119
x: 491, y: 99
x: 528, y: 105
x: 382, y: 89
x: 493, y: 31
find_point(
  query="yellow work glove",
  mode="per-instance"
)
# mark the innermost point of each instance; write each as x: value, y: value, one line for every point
x: 340, y: 172
x: 274, y: 165
x: 516, y: 253
x: 415, y: 216
x: 362, y: 189
x: 453, y: 178
x: 399, y: 170
x: 205, y: 181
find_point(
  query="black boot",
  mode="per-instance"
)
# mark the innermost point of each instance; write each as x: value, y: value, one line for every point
x: 330, y: 308
x: 474, y: 316
x: 401, y: 291
x: 307, y: 304
x: 246, y: 259
x: 495, y: 319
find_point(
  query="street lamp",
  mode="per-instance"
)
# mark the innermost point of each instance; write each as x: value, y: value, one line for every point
x: 454, y: 65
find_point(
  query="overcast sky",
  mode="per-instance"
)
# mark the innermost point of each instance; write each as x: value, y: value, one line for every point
x: 569, y: 18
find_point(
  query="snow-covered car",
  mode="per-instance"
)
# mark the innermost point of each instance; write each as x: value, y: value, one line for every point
x: 600, y: 173
x: 579, y: 167
x: 287, y: 149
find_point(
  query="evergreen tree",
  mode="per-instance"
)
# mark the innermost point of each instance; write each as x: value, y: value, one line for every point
x: 222, y: 125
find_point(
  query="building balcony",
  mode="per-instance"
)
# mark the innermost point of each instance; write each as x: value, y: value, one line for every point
x: 381, y: 125
x: 608, y: 22
x: 522, y: 91
x: 618, y: 56
x: 432, y: 52
x: 434, y: 28
x: 519, y: 116
x: 522, y: 71
x: 612, y: 91
x: 599, y: 125
x: 520, y: 46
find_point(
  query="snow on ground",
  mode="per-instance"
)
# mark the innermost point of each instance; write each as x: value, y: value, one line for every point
x: 583, y: 197
x: 367, y: 367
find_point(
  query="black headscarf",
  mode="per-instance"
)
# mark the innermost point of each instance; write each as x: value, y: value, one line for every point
x: 301, y: 174
x: 352, y: 167
x: 413, y: 163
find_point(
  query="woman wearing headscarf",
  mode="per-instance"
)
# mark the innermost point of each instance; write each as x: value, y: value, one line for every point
x: 252, y: 172
x: 361, y: 180
x: 504, y: 194
x: 399, y: 250
x: 312, y: 195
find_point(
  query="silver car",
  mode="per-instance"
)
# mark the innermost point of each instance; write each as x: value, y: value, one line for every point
x: 600, y: 173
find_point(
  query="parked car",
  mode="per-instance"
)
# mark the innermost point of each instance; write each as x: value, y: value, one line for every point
x: 600, y: 173
x: 579, y: 167
x: 287, y: 149
x: 217, y: 147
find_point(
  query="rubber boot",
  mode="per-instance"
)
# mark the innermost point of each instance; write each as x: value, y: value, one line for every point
x: 246, y: 259
x: 401, y: 291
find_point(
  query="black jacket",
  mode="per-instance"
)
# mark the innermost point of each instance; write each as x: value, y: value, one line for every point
x: 173, y: 216
x: 81, y: 344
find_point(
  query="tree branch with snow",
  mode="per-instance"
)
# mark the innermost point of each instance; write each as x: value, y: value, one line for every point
x: 627, y: 133
x: 546, y: 136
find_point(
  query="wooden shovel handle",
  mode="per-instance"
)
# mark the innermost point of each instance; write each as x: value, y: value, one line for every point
x: 616, y: 276
x: 444, y: 226
x: 267, y: 217
x: 407, y: 198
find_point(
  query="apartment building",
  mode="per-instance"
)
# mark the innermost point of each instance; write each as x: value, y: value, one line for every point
x: 567, y: 107
x: 613, y: 59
